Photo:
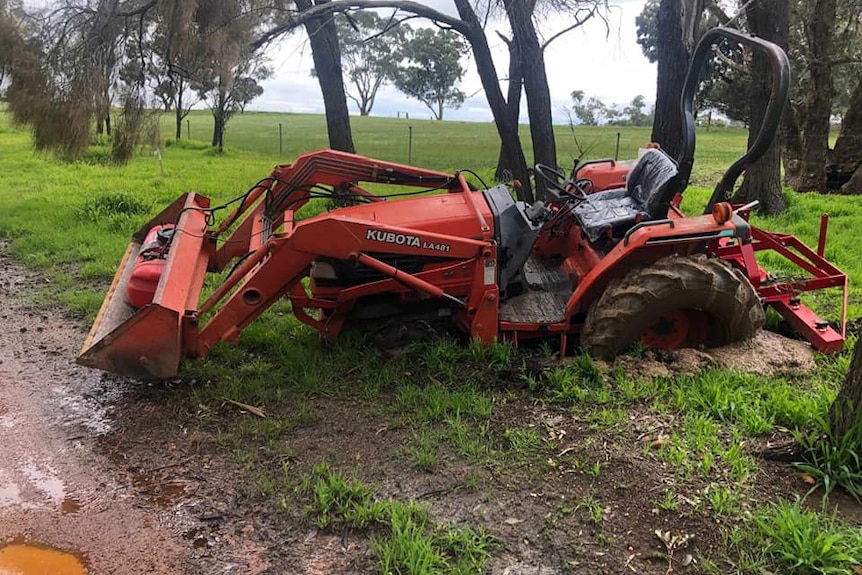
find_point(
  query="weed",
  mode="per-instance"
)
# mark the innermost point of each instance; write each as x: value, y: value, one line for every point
x: 336, y: 499
x: 423, y: 450
x: 782, y: 537
x: 522, y: 441
x: 112, y: 204
x: 721, y: 500
x: 578, y: 380
x: 669, y: 502
x: 593, y: 507
x: 834, y: 461
x: 404, y: 538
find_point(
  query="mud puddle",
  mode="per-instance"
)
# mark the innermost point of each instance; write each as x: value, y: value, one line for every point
x: 33, y: 559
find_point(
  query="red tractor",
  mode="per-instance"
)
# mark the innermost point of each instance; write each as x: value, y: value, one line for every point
x: 609, y: 259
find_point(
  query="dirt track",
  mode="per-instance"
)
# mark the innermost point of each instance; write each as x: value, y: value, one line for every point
x: 54, y: 489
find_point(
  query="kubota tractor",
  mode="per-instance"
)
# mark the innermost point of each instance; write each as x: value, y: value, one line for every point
x: 610, y: 258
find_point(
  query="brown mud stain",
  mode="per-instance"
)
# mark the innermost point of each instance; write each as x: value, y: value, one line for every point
x: 69, y: 505
x: 163, y: 493
x: 32, y: 559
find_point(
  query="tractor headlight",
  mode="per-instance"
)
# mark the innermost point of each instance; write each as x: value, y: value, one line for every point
x: 323, y: 271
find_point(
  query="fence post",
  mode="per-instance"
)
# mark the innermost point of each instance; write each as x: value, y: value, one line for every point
x: 188, y: 130
x: 617, y: 151
x: 279, y: 139
x: 409, y: 145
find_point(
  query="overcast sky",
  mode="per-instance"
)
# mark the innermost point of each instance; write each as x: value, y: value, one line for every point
x: 608, y: 66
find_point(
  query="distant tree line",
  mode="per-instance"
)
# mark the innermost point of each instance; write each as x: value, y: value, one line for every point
x: 590, y: 111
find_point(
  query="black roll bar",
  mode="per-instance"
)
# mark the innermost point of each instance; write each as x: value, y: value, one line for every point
x: 780, y: 67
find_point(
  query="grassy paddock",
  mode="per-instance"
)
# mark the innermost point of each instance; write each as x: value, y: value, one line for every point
x: 444, y: 145
x: 450, y: 400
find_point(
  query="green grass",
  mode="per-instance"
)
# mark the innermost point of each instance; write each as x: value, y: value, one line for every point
x: 442, y: 145
x: 404, y: 538
x: 785, y: 538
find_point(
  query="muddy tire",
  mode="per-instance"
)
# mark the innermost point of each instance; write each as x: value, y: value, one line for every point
x: 631, y: 304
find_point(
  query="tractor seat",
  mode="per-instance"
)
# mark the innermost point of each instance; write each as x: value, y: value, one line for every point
x: 645, y: 197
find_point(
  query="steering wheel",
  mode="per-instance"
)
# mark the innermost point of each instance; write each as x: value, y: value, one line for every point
x: 551, y: 175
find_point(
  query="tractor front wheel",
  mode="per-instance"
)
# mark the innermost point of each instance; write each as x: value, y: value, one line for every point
x: 677, y: 301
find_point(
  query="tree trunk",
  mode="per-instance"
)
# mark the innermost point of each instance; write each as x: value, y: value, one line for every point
x: 513, y: 103
x: 219, y: 121
x: 108, y: 123
x: 854, y: 184
x: 847, y: 153
x: 506, y: 128
x: 770, y: 20
x: 672, y: 66
x: 808, y: 171
x: 845, y: 410
x: 535, y: 84
x: 439, y: 110
x: 326, y: 53
x: 179, y: 116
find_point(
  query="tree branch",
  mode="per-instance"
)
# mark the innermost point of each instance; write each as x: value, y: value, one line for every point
x: 568, y: 29
x: 299, y: 18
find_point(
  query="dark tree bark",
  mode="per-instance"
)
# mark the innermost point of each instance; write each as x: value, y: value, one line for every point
x: 513, y: 101
x: 506, y: 128
x: 805, y: 166
x: 673, y: 56
x: 326, y: 52
x: 847, y: 407
x: 520, y: 14
x: 180, y: 86
x: 220, y: 117
x: 847, y: 153
x: 854, y: 184
x: 770, y: 20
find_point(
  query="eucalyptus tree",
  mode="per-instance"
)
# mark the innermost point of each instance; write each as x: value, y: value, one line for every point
x: 428, y: 68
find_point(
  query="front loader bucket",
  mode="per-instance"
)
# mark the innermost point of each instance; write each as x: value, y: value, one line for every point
x: 147, y: 343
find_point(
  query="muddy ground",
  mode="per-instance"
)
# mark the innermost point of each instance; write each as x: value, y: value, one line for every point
x: 117, y: 473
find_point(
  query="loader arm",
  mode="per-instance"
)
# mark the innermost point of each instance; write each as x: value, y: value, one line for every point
x: 275, y: 199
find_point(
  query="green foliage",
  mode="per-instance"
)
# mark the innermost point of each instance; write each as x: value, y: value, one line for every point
x: 337, y: 500
x: 430, y: 68
x: 367, y: 54
x: 755, y: 403
x: 403, y: 537
x: 833, y: 461
x: 593, y: 112
x: 784, y: 538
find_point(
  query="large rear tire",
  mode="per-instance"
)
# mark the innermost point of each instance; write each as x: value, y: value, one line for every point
x: 698, y: 285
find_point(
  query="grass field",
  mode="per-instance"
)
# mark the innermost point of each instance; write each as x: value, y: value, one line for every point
x: 442, y: 145
x: 485, y: 413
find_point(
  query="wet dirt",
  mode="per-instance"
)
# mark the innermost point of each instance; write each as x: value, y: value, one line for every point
x: 54, y: 487
x: 32, y: 559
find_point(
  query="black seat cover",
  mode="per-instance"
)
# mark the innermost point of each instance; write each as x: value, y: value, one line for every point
x: 644, y: 198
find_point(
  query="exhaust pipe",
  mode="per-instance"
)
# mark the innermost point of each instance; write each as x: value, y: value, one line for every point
x: 148, y: 342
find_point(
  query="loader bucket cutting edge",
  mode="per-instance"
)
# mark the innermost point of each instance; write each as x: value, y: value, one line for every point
x: 146, y: 343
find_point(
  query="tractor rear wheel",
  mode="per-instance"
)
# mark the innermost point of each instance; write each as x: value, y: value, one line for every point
x: 677, y: 301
